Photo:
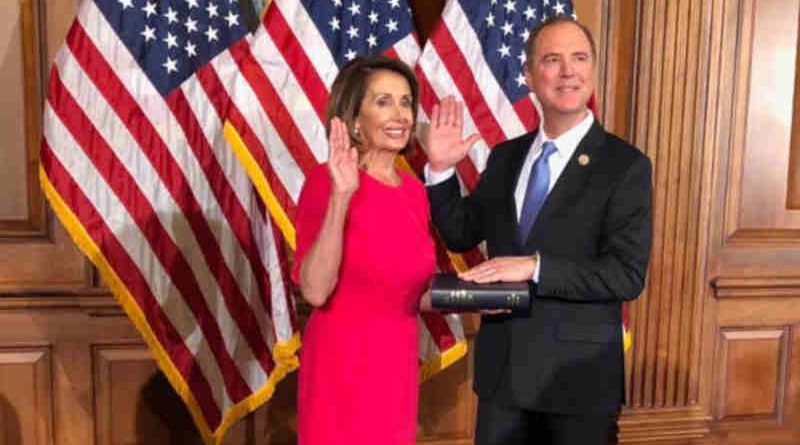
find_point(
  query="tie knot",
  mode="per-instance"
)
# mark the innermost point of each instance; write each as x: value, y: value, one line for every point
x: 548, y: 148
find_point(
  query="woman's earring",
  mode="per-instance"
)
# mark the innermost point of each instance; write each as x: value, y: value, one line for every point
x: 357, y: 132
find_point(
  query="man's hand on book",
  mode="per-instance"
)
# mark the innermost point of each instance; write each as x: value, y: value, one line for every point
x: 502, y: 269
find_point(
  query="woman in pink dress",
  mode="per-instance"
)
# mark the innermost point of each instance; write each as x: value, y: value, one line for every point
x: 364, y: 260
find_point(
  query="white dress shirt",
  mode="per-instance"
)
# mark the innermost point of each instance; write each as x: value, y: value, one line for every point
x: 565, y: 147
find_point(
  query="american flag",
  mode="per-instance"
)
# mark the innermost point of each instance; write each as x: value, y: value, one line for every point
x: 135, y: 165
x: 476, y: 52
x: 283, y: 90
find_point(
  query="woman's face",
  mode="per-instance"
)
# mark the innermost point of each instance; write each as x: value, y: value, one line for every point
x: 386, y: 118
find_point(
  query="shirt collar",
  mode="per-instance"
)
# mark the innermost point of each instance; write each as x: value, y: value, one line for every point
x: 567, y: 142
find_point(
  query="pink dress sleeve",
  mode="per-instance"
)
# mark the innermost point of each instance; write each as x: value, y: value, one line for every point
x: 310, y: 212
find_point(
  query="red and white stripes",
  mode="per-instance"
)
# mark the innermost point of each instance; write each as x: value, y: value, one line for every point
x: 152, y: 193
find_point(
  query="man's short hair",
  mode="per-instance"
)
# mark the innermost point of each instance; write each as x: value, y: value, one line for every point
x: 552, y: 21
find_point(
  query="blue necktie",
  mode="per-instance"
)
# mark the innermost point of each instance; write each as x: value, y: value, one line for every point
x: 536, y: 192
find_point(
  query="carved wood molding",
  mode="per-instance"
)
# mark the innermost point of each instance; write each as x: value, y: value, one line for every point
x: 793, y: 192
x: 740, y: 287
x: 768, y: 237
x: 676, y: 54
x: 26, y: 400
x: 755, y: 213
x: 752, y: 366
x: 617, y: 61
x: 667, y: 424
x: 738, y: 81
x: 33, y: 67
x: 42, y: 302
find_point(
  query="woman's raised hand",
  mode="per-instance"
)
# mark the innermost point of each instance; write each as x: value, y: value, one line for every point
x: 444, y: 145
x: 342, y: 159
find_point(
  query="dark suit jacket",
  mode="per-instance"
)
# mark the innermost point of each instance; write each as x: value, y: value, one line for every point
x: 593, y: 235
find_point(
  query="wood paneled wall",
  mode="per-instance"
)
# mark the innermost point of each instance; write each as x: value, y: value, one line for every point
x: 715, y: 355
x: 754, y: 256
x: 707, y: 88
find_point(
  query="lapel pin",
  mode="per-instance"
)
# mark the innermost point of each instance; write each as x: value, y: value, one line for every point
x: 583, y: 160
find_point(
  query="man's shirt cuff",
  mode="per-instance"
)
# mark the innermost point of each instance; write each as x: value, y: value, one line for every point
x: 433, y: 178
x: 535, y: 276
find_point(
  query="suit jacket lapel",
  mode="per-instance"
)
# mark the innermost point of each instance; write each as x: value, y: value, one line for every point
x: 572, y: 179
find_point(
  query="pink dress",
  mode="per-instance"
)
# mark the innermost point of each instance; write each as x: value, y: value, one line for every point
x: 358, y: 379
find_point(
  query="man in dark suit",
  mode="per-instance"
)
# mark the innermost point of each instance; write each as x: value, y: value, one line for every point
x: 567, y: 208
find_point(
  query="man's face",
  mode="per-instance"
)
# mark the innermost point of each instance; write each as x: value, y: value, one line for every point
x: 561, y: 71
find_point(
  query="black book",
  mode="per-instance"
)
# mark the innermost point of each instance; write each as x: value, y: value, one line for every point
x: 450, y: 293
